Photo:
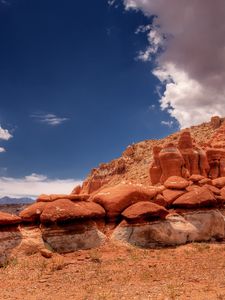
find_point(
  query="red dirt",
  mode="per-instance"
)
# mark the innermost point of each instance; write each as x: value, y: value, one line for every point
x: 193, y: 271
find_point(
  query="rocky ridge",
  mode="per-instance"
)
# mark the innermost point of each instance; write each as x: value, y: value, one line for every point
x: 185, y: 204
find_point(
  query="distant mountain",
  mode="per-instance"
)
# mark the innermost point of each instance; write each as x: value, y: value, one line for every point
x: 9, y: 200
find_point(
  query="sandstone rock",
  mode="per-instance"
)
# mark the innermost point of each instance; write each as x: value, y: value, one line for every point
x: 201, y: 197
x: 215, y: 122
x: 32, y: 213
x: 213, y: 189
x: 176, y: 182
x: 190, y: 156
x: 73, y: 237
x: 9, y: 219
x: 63, y: 210
x: 155, y: 168
x: 46, y: 253
x: 76, y: 190
x: 222, y: 192
x: 54, y: 197
x: 31, y: 241
x: 10, y: 238
x: 144, y: 210
x: 219, y: 182
x: 205, y: 181
x: 171, y: 195
x: 196, y: 226
x: 192, y: 187
x: 160, y: 200
x: 196, y: 177
x: 171, y: 162
x: 117, y: 198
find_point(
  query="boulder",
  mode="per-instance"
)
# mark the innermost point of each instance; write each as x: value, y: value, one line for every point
x: 197, y: 226
x: 9, y: 219
x: 72, y: 237
x: 53, y: 197
x: 144, y: 210
x: 171, y: 195
x: 219, y: 182
x: 76, y: 190
x: 200, y: 197
x: 192, y: 187
x: 160, y: 200
x: 204, y: 181
x: 176, y: 182
x: 117, y: 198
x: 222, y: 192
x: 32, y: 213
x: 196, y: 177
x: 213, y: 189
x: 63, y: 210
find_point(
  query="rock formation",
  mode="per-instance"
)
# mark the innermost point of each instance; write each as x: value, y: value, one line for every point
x: 184, y: 204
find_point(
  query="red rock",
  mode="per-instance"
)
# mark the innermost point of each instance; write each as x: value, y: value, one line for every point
x: 171, y: 195
x: 171, y: 162
x: 53, y: 197
x: 9, y: 219
x: 219, y: 182
x: 205, y: 181
x: 192, y: 187
x: 213, y: 189
x: 222, y: 167
x: 76, y: 190
x: 65, y: 210
x: 155, y: 170
x: 176, y: 182
x: 117, y: 198
x: 220, y: 200
x: 203, y: 162
x: 200, y: 197
x: 160, y: 200
x: 215, y: 122
x: 196, y: 177
x: 91, y: 186
x: 143, y: 210
x: 214, y: 156
x: 222, y: 192
x: 190, y: 156
x: 32, y: 212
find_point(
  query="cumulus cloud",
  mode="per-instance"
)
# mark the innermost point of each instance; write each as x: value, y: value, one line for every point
x: 34, y: 185
x: 49, y: 119
x: 5, y: 134
x: 186, y: 41
x: 2, y: 149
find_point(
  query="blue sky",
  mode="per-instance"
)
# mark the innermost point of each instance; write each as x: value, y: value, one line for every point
x: 72, y: 92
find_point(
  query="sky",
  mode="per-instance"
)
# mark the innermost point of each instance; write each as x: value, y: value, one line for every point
x: 82, y: 80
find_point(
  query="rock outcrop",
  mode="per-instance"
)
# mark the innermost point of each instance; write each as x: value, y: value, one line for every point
x: 180, y: 200
x: 175, y: 230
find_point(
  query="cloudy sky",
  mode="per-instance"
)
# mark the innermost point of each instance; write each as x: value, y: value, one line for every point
x: 80, y: 82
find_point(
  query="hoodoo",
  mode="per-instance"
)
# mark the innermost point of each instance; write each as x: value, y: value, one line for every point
x: 181, y: 200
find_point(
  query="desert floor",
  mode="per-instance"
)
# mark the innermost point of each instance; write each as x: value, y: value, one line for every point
x: 193, y: 271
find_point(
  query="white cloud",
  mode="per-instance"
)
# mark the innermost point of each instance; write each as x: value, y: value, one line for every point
x: 34, y: 185
x: 167, y: 123
x: 50, y: 119
x: 187, y: 42
x: 111, y: 2
x: 5, y: 134
x: 2, y: 149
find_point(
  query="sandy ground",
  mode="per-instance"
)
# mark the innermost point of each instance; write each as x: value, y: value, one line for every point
x: 194, y: 271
